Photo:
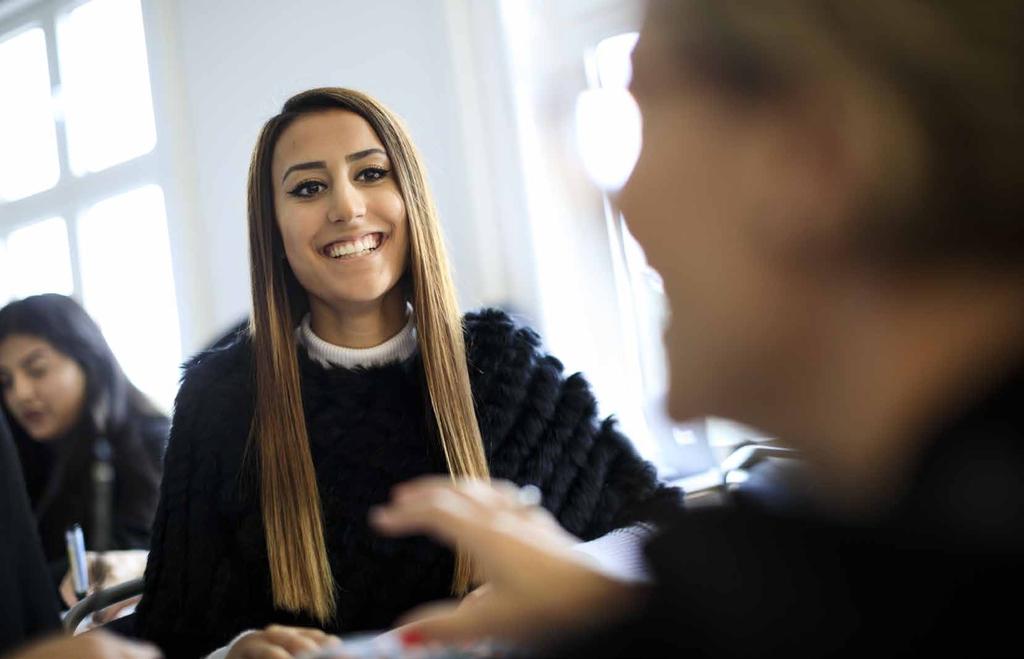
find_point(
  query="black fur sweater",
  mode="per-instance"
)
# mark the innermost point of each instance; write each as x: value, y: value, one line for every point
x: 207, y: 577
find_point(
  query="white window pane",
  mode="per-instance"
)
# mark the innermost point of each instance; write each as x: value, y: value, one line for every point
x: 5, y: 276
x: 608, y: 128
x: 105, y: 78
x: 614, y: 66
x: 608, y: 134
x: 38, y: 259
x: 28, y: 139
x: 128, y: 287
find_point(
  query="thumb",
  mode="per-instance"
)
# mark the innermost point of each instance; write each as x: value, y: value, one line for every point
x: 426, y: 611
x: 437, y: 623
x: 487, y: 617
x: 67, y: 591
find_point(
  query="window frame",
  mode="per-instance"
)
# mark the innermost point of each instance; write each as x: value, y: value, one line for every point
x: 165, y: 165
x: 546, y: 46
x: 71, y: 194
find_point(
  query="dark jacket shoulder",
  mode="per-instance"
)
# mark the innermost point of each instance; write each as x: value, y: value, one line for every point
x: 225, y: 365
x: 495, y: 336
x: 217, y: 379
x: 541, y: 427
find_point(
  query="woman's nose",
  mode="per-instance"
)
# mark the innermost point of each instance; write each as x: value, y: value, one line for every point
x: 347, y: 203
x: 20, y: 389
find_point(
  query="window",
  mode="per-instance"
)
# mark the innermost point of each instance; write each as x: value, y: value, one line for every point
x: 39, y: 257
x: 551, y: 109
x: 608, y: 131
x: 29, y: 163
x: 82, y: 209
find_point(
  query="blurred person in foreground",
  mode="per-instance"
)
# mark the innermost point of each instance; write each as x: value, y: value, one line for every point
x: 833, y: 194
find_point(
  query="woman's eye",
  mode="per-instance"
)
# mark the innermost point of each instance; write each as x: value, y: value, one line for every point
x: 36, y: 373
x: 371, y: 174
x: 307, y: 189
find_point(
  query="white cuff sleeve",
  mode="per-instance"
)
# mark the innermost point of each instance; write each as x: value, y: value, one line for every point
x: 619, y: 554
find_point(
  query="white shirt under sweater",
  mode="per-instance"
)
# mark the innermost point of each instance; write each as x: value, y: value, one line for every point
x: 617, y: 554
x: 396, y: 349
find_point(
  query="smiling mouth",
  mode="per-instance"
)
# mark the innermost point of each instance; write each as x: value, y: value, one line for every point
x: 351, y: 249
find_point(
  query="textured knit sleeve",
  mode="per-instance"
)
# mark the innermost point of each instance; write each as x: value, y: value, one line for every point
x: 182, y: 599
x: 541, y: 428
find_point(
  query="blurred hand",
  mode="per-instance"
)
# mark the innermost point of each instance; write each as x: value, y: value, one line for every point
x: 537, y: 586
x: 107, y: 569
x: 280, y: 642
x: 94, y: 645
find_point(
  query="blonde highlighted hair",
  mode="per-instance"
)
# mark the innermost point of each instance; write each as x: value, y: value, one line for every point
x: 300, y: 573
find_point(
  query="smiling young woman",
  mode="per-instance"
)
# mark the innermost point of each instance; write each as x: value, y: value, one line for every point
x: 358, y: 372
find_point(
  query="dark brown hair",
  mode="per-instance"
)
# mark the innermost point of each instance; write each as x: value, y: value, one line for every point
x: 948, y: 73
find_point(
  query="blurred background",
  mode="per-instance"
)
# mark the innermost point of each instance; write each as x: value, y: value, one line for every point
x: 126, y: 128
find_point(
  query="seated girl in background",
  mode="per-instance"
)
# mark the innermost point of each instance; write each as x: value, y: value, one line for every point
x: 73, y: 411
x: 358, y: 372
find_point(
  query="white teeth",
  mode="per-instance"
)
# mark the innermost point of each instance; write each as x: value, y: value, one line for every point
x: 360, y: 246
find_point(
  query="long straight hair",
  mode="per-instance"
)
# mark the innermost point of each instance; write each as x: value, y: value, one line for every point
x: 300, y: 574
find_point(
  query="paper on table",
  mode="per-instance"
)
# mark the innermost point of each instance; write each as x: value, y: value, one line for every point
x: 389, y: 645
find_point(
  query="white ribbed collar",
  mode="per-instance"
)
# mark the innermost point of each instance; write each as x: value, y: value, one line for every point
x: 396, y: 349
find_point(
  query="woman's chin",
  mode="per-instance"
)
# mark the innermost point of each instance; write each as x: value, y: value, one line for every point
x: 359, y: 295
x: 360, y: 298
x: 43, y: 435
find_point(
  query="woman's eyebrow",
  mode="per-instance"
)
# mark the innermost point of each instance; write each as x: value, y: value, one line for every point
x: 320, y: 164
x: 35, y: 355
x: 315, y: 164
x: 359, y: 155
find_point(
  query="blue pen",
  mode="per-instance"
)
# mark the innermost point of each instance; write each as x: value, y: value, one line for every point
x: 76, y: 560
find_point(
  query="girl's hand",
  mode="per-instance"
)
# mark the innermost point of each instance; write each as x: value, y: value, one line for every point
x: 106, y: 569
x: 280, y: 642
x: 94, y: 645
x: 537, y: 585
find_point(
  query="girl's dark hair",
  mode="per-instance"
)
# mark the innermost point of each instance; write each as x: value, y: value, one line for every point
x: 114, y: 411
x: 947, y: 74
x: 111, y: 400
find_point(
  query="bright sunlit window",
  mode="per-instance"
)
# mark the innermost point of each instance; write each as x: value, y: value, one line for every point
x: 5, y: 277
x: 608, y: 131
x: 128, y: 234
x: 82, y: 212
x: 607, y: 118
x: 28, y: 155
x: 106, y: 97
x: 39, y: 259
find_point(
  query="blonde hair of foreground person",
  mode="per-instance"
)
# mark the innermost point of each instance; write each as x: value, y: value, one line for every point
x: 300, y: 574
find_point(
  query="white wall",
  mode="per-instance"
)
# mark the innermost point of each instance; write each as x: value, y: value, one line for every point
x: 237, y: 61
